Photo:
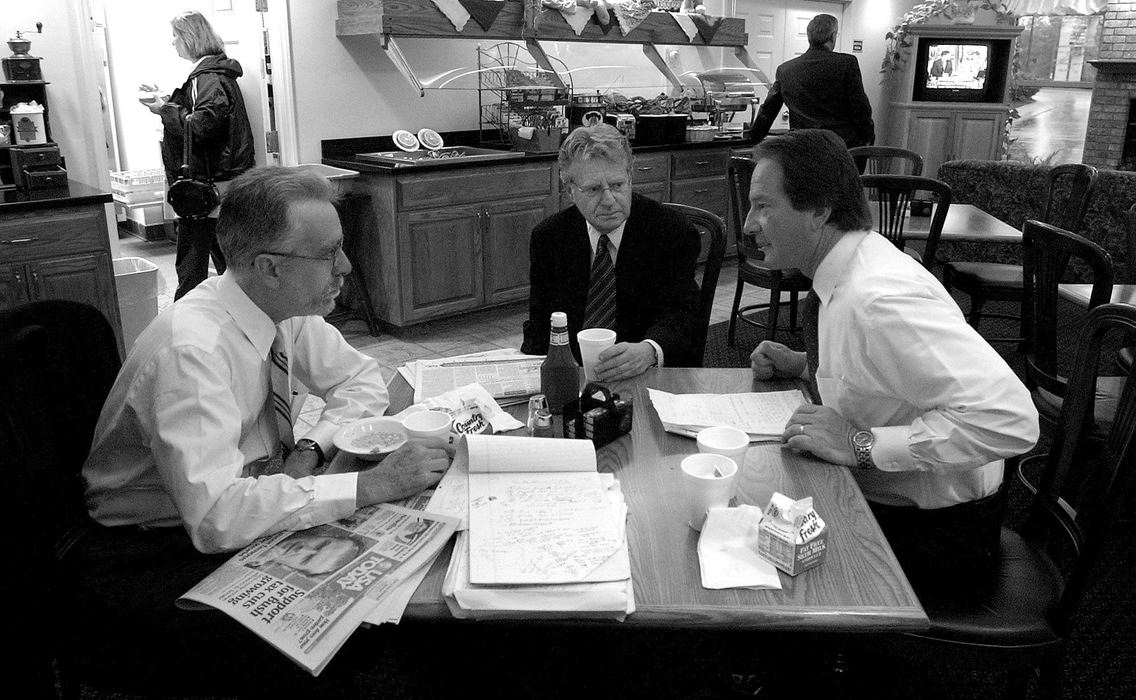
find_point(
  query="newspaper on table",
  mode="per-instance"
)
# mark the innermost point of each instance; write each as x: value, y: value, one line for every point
x: 509, y: 377
x: 306, y: 591
x: 762, y: 414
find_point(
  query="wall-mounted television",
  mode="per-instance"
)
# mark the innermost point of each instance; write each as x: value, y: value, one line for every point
x: 960, y: 70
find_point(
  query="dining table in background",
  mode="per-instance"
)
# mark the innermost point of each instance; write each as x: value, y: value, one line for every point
x: 1079, y: 294
x: 859, y: 588
x: 964, y: 223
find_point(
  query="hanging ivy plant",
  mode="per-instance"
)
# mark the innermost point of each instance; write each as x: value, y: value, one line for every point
x: 898, y: 42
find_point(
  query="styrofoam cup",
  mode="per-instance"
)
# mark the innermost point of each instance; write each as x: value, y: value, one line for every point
x: 593, y: 341
x: 725, y: 440
x: 709, y: 483
x: 428, y: 426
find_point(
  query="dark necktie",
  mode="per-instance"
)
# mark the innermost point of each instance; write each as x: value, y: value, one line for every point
x: 600, y: 312
x: 280, y: 369
x: 810, y: 312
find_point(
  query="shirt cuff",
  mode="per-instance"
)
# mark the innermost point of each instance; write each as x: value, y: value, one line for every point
x: 891, y: 452
x: 323, y: 433
x: 658, y: 351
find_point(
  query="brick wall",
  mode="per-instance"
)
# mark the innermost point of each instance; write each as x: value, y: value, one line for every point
x: 1113, y: 90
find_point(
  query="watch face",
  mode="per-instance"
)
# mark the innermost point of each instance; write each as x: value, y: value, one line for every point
x: 864, y: 438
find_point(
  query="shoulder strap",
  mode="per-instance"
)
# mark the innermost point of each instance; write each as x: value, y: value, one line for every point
x: 186, y: 163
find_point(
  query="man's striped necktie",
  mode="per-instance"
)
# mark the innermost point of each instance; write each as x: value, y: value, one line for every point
x: 280, y: 368
x: 600, y: 311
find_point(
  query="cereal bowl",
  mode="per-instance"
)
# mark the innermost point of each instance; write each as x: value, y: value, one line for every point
x: 371, y: 438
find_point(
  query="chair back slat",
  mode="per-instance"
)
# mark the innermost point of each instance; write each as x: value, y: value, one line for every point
x: 887, y: 160
x: 1047, y: 252
x: 893, y: 195
x: 709, y: 225
x: 739, y: 173
x: 1068, y: 189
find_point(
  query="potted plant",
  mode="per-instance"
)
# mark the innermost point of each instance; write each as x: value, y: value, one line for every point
x: 898, y: 41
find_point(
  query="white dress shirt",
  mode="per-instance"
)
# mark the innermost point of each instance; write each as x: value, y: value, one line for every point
x: 185, y: 432
x: 614, y: 238
x: 897, y: 357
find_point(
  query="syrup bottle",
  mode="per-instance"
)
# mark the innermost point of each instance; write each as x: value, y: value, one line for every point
x: 559, y: 373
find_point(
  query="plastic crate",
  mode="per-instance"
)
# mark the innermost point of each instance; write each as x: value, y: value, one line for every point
x: 124, y: 181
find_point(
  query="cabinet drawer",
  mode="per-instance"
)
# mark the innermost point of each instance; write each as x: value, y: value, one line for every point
x: 707, y: 193
x: 61, y: 231
x: 699, y: 163
x: 473, y: 186
x: 652, y: 167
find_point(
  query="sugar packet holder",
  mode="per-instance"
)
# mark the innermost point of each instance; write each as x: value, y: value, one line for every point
x: 473, y: 409
x: 792, y: 536
x: 599, y: 415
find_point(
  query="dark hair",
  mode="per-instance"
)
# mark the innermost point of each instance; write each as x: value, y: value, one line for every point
x: 818, y: 172
x: 197, y: 34
x: 254, y: 210
x: 597, y: 141
x: 821, y: 30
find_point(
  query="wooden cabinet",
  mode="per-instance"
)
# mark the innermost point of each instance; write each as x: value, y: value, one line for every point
x: 946, y: 134
x: 58, y: 253
x: 450, y: 241
x: 11, y: 94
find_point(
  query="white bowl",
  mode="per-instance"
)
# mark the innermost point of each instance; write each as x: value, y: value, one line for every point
x: 371, y: 438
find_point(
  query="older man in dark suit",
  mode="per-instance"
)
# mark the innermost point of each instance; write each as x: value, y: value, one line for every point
x: 823, y: 90
x: 616, y: 260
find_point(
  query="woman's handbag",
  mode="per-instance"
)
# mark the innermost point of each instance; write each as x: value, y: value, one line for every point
x: 191, y: 197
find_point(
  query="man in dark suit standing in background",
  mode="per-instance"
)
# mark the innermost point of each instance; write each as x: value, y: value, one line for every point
x: 823, y: 90
x: 615, y: 260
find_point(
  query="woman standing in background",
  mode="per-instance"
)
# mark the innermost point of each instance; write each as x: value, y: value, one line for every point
x: 222, y: 145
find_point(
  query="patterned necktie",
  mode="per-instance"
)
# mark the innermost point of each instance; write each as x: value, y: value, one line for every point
x: 600, y: 311
x: 280, y: 368
x: 810, y: 312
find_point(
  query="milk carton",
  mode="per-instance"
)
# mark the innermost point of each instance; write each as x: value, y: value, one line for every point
x: 791, y: 535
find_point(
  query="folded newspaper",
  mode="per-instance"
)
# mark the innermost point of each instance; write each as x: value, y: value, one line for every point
x: 306, y: 591
x: 509, y: 378
x: 762, y: 414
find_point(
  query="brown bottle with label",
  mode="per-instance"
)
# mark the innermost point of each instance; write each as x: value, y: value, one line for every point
x: 559, y: 373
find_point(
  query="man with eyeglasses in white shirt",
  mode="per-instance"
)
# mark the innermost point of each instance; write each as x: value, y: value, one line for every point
x: 653, y: 251
x: 191, y: 459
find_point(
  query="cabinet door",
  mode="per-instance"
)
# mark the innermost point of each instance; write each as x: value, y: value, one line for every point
x: 654, y: 190
x: 77, y: 278
x: 13, y: 285
x: 976, y: 136
x: 931, y: 133
x: 506, y: 246
x: 707, y: 193
x: 439, y: 262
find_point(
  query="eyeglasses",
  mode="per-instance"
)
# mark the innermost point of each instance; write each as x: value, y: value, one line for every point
x: 330, y: 258
x: 596, y: 191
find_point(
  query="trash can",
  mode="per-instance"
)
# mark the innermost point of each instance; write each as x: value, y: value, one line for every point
x: 137, y: 283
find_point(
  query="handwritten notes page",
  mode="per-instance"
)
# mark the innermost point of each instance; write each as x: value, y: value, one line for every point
x: 761, y: 414
x: 538, y: 512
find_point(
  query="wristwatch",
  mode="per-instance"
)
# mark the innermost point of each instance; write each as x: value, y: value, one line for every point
x: 862, y: 443
x: 304, y: 445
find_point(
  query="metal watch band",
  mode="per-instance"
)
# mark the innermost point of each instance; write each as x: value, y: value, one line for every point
x: 306, y: 444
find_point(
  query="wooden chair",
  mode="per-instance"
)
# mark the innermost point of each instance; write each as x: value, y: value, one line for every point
x: 1047, y: 252
x: 887, y: 160
x: 710, y: 226
x: 1126, y: 354
x: 750, y: 267
x: 893, y: 194
x: 58, y: 360
x: 1020, y: 623
x: 1069, y: 188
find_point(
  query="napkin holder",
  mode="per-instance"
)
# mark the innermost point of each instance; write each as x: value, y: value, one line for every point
x: 598, y: 415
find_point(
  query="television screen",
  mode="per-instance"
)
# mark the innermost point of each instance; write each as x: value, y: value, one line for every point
x: 960, y: 70
x: 958, y: 66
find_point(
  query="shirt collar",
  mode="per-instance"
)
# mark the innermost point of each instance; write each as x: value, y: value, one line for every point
x: 832, y: 267
x: 614, y: 237
x: 257, y: 326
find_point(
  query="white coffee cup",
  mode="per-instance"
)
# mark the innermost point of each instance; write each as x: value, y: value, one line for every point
x: 593, y: 341
x: 428, y: 426
x: 708, y: 479
x: 725, y: 440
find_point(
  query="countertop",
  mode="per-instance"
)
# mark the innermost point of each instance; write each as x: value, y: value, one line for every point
x: 75, y: 193
x: 341, y: 152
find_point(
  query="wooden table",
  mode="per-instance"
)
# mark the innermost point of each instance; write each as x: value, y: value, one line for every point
x: 1079, y: 293
x: 859, y: 588
x: 964, y: 222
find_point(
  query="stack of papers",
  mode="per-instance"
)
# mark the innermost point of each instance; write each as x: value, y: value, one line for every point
x: 762, y: 415
x: 507, y: 375
x: 547, y: 533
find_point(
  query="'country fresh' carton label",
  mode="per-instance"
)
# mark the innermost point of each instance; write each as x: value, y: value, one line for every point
x: 791, y: 535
